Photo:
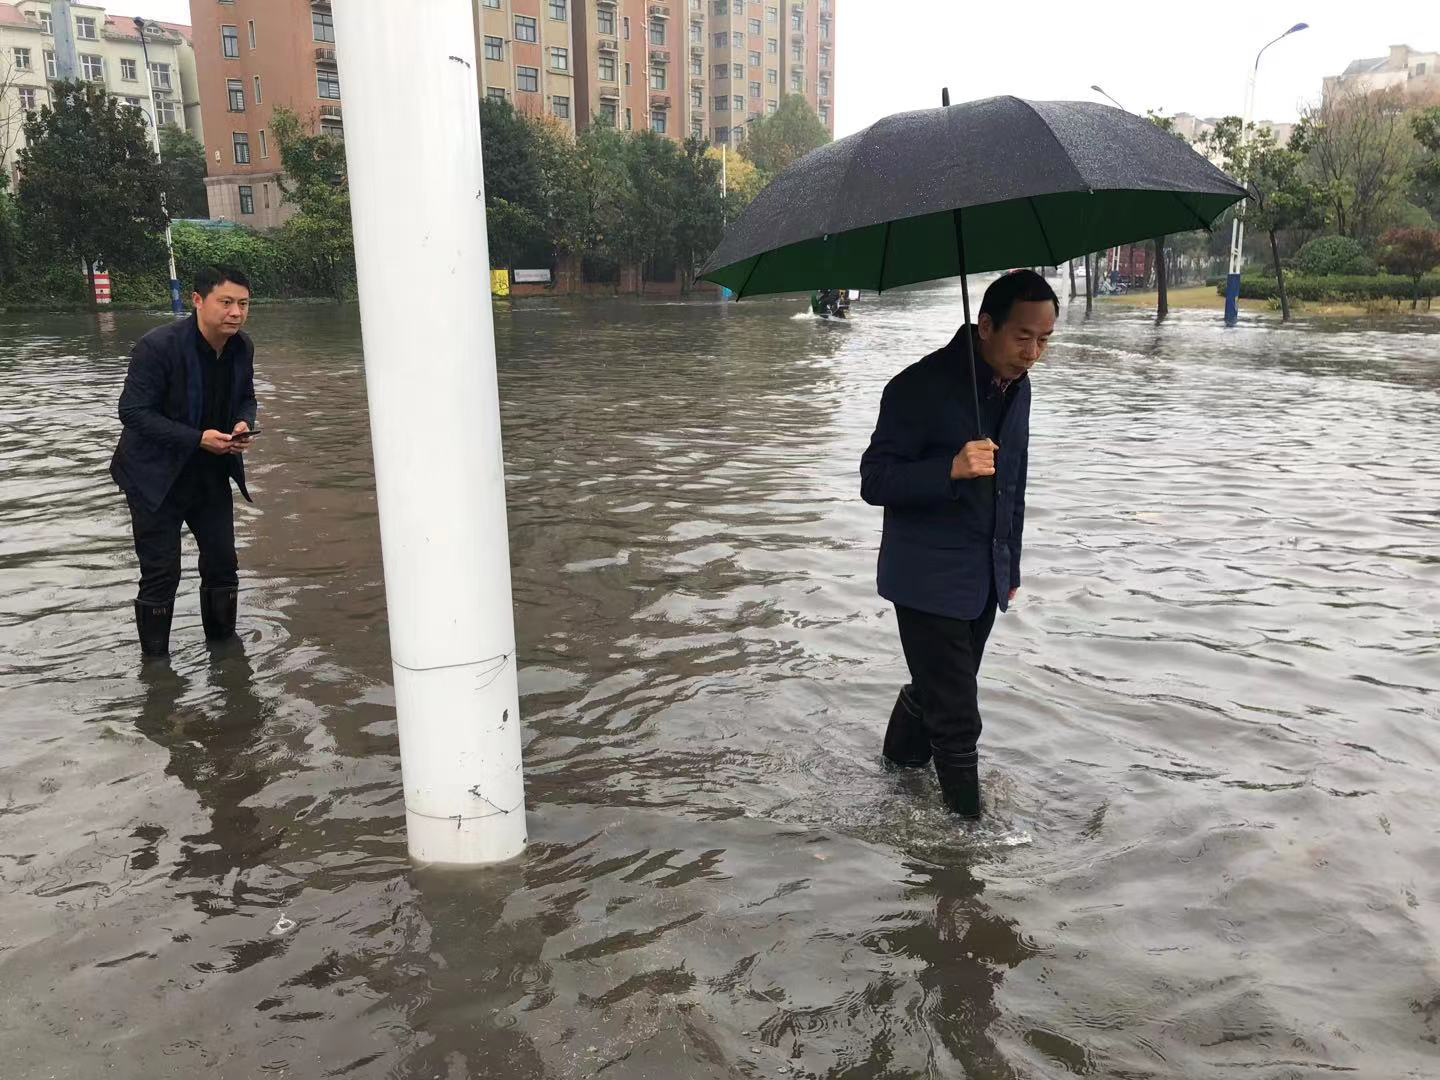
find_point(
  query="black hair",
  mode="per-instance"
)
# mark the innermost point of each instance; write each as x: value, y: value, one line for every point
x: 207, y: 277
x: 1024, y: 286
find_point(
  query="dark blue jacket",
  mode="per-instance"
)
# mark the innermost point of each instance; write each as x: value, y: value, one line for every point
x: 947, y: 542
x: 160, y: 411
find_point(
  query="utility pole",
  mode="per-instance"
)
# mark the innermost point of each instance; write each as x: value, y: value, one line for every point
x: 417, y: 194
x: 176, y: 307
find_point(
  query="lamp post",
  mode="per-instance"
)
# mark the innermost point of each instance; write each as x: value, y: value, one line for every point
x: 1237, y: 227
x: 175, y: 306
x: 1098, y: 90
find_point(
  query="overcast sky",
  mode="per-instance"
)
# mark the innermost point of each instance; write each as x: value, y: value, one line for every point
x: 893, y: 55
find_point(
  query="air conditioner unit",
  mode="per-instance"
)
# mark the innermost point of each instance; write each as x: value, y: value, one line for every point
x: 325, y: 56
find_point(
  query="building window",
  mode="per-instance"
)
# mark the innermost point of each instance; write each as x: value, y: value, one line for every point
x: 45, y: 22
x: 1419, y: 70
x: 797, y: 52
x: 772, y: 15
x: 264, y: 146
x: 737, y: 71
x: 258, y: 98
x: 240, y: 143
x: 755, y: 89
x: 719, y: 7
x: 737, y: 7
x: 797, y: 82
x: 657, y: 77
x: 84, y: 28
x: 322, y: 26
x: 493, y: 4
x: 773, y: 46
x: 527, y: 79
x: 133, y: 102
x: 165, y: 111
x: 251, y: 27
x: 332, y: 129
x: 721, y: 104
x: 737, y: 40
x: 327, y: 84
x: 629, y: 120
x: 797, y: 20
x: 247, y: 199
x: 129, y: 70
x: 92, y: 68
x: 560, y: 59
x: 627, y: 73
x: 560, y: 106
x: 494, y: 48
x: 824, y: 85
x: 525, y: 28
x: 722, y: 71
x: 737, y: 103
x: 605, y: 21
x: 772, y: 106
x: 229, y: 42
x: 697, y: 67
x: 720, y: 136
x: 825, y: 57
x: 606, y: 69
x: 772, y: 77
x: 50, y: 64
x: 265, y: 190
x: 657, y: 31
x: 755, y: 59
x: 22, y: 60
x: 825, y: 28
x: 697, y: 34
x: 825, y: 115
x: 755, y: 27
x: 558, y: 11
x: 697, y: 97
x: 235, y: 93
x: 27, y: 98
x: 494, y: 94
x: 719, y: 41
x: 607, y: 112
x: 160, y: 76
x: 657, y: 121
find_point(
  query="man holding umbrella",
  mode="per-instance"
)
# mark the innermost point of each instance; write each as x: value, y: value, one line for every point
x: 954, y: 511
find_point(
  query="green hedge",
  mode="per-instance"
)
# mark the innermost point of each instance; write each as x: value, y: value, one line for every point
x: 1336, y: 288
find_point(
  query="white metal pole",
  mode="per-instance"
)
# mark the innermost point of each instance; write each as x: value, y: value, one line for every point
x: 176, y: 307
x: 418, y: 206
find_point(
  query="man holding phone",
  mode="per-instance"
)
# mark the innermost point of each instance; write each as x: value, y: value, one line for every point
x: 188, y: 413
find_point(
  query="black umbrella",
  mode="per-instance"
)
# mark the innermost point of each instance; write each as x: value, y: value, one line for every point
x: 964, y: 188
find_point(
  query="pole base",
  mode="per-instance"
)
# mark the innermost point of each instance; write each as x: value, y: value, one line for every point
x: 462, y: 842
x: 1232, y: 299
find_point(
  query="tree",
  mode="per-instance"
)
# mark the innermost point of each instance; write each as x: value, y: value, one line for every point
x: 784, y: 136
x: 743, y: 181
x: 12, y: 115
x: 1361, y: 151
x: 1281, y: 196
x: 314, y: 183
x: 701, y: 208
x: 182, y: 164
x: 1162, y: 280
x: 90, y: 184
x: 649, y: 202
x: 1425, y: 173
x: 1412, y: 252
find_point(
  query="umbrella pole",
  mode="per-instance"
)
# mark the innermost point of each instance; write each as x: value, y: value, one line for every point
x: 970, y: 332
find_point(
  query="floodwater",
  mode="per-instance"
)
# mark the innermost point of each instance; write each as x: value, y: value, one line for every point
x: 1214, y: 714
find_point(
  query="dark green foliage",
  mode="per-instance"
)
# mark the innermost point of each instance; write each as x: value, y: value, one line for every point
x: 1333, y: 255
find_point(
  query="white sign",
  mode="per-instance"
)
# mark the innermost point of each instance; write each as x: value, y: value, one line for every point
x: 523, y: 277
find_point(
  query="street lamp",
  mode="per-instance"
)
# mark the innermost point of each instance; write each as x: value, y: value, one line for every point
x: 1237, y: 227
x: 175, y: 306
x: 1098, y: 90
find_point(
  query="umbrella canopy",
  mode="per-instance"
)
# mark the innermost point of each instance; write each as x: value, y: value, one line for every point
x: 977, y: 186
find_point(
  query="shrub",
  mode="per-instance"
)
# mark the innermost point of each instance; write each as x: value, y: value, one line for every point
x: 1326, y: 255
x: 1351, y: 288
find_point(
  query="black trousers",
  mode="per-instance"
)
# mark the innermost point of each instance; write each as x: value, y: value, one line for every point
x: 210, y: 514
x: 943, y: 655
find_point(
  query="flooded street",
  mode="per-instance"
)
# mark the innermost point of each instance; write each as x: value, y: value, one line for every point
x: 1214, y: 712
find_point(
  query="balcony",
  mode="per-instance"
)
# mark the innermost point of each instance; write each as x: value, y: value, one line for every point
x: 609, y: 46
x: 330, y: 112
x: 659, y: 56
x: 609, y: 93
x: 697, y: 50
x: 659, y: 101
x: 605, y: 3
x: 659, y: 11
x: 325, y: 56
x: 797, y: 35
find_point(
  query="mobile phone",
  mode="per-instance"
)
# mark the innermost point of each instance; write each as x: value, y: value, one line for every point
x: 246, y: 434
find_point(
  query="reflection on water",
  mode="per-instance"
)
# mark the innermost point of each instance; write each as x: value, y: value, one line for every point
x: 1214, y: 712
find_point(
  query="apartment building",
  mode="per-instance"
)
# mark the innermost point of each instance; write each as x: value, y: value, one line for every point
x: 107, y: 51
x: 701, y: 67
x: 1414, y: 73
x: 253, y: 55
x: 527, y: 55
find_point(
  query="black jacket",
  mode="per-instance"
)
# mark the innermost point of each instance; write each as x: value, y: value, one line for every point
x: 946, y: 542
x: 160, y: 411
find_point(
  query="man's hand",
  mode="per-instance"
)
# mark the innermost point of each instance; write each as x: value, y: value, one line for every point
x: 240, y: 438
x: 1012, y: 595
x: 217, y: 442
x: 975, y: 459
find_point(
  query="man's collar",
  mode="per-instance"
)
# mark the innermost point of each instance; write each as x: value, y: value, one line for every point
x: 984, y: 374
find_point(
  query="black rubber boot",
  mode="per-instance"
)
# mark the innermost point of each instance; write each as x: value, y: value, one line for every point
x: 906, y: 742
x: 152, y: 621
x: 960, y: 782
x: 217, y: 612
